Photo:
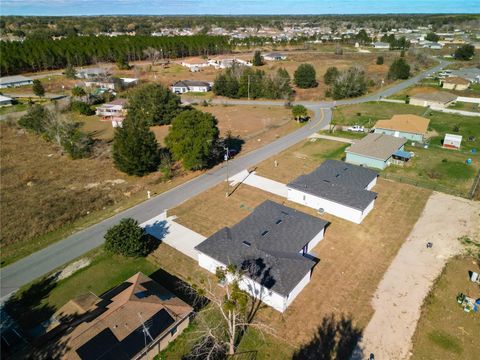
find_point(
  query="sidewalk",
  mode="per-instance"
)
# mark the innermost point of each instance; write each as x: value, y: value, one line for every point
x: 173, y: 234
x: 259, y: 182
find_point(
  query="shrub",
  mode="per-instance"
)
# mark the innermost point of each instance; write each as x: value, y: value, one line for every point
x: 465, y: 52
x: 380, y: 60
x: 399, y: 70
x: 331, y: 75
x: 305, y: 76
x: 350, y: 83
x: 128, y: 239
x: 82, y: 108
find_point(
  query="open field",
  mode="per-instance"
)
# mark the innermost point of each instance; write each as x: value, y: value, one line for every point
x: 47, y: 196
x: 365, y: 250
x: 445, y: 331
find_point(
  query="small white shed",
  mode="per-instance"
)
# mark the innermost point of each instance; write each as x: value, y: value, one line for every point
x: 452, y: 141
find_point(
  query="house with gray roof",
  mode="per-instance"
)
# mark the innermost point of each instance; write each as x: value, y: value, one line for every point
x: 184, y: 86
x: 471, y: 74
x: 376, y: 150
x: 438, y: 99
x: 271, y: 247
x: 14, y: 81
x: 338, y: 188
x: 274, y: 56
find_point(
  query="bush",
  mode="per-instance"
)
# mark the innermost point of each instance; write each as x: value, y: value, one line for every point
x: 399, y: 70
x: 128, y: 239
x: 257, y: 59
x: 82, y: 108
x: 34, y: 120
x: 380, y: 60
x: 38, y: 88
x: 77, y: 143
x: 465, y: 52
x: 305, y: 76
x: 331, y: 75
x: 350, y: 83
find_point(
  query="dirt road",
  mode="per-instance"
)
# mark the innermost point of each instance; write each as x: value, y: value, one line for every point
x: 400, y: 294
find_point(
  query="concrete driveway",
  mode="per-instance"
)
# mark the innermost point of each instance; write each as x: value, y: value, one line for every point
x: 260, y: 182
x: 173, y: 234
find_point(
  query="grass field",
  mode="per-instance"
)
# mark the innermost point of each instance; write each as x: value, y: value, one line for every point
x: 445, y: 331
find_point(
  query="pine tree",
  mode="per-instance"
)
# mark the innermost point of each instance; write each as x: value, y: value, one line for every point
x: 135, y: 149
x: 70, y: 72
x: 305, y: 76
x: 399, y: 70
x: 257, y: 59
x: 38, y: 88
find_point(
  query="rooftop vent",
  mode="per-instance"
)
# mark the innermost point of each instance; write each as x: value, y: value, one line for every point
x: 265, y: 233
x: 246, y: 243
x: 284, y: 212
x: 337, y: 175
x: 327, y: 181
x: 279, y: 221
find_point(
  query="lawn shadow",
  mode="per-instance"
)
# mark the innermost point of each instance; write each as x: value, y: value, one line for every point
x: 156, y: 232
x: 334, y: 339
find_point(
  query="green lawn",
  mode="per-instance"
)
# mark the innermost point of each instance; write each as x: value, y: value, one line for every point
x: 465, y: 106
x: 445, y: 331
x: 36, y: 302
x: 11, y: 109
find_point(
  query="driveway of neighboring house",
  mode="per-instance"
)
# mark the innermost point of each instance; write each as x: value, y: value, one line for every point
x: 260, y: 182
x: 175, y: 235
x: 400, y: 295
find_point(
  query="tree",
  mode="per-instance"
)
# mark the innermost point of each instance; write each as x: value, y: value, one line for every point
x: 236, y: 307
x: 431, y: 36
x: 35, y: 119
x: 305, y: 76
x: 380, y: 60
x: 330, y: 75
x: 152, y: 54
x: 464, y: 52
x: 82, y: 108
x: 154, y: 103
x: 70, y: 72
x: 299, y: 111
x: 135, y: 149
x: 75, y: 142
x: 192, y: 138
x: 399, y: 69
x: 349, y: 83
x: 127, y: 238
x: 122, y: 63
x: 38, y: 88
x: 257, y: 59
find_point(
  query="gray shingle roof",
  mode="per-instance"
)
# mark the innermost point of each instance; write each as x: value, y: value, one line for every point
x: 377, y: 145
x: 271, y: 237
x: 339, y: 182
x: 13, y: 79
x: 188, y: 83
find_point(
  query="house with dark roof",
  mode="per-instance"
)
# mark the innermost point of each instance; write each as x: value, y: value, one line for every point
x: 377, y: 150
x: 112, y: 326
x: 338, y: 188
x: 271, y: 247
x: 184, y: 86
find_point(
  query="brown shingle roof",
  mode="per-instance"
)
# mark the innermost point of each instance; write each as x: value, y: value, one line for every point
x: 377, y: 146
x: 119, y: 310
x: 456, y: 80
x: 439, y: 96
x: 406, y: 123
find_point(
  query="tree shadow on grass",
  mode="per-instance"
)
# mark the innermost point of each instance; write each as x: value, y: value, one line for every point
x: 334, y: 339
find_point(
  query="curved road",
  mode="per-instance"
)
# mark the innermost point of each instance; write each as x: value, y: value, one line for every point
x: 48, y: 259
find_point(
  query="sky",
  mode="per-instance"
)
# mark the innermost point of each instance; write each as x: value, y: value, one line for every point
x: 233, y: 7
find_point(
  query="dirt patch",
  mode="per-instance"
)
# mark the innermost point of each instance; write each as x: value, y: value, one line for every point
x: 399, y: 297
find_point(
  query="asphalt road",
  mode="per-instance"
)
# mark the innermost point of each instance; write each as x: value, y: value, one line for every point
x: 44, y: 261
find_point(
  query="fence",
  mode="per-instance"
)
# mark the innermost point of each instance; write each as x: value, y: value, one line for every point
x: 435, y: 187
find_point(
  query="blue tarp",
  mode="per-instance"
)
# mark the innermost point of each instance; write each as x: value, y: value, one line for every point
x: 403, y: 154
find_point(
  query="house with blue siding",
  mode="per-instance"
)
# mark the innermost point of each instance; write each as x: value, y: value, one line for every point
x: 377, y: 151
x: 408, y: 126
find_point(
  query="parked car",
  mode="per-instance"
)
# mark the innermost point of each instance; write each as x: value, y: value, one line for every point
x: 356, y: 128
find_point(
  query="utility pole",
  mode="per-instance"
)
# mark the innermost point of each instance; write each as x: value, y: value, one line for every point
x: 227, y: 191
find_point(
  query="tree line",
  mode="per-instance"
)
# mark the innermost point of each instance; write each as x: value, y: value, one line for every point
x: 47, y: 54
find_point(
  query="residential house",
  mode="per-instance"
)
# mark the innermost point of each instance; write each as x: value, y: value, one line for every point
x: 5, y: 100
x: 114, y: 111
x: 14, y: 81
x: 471, y: 74
x: 432, y: 45
x: 224, y: 62
x: 455, y: 83
x: 195, y: 64
x: 274, y: 56
x: 452, y: 141
x: 271, y: 246
x: 439, y: 99
x: 381, y: 45
x: 411, y: 127
x: 338, y: 188
x: 111, y: 83
x: 113, y: 325
x: 376, y: 151
x: 184, y: 86
x: 92, y: 73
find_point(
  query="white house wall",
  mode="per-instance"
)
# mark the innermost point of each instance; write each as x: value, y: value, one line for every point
x: 328, y: 206
x: 298, y: 289
x: 314, y: 242
x: 372, y: 184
